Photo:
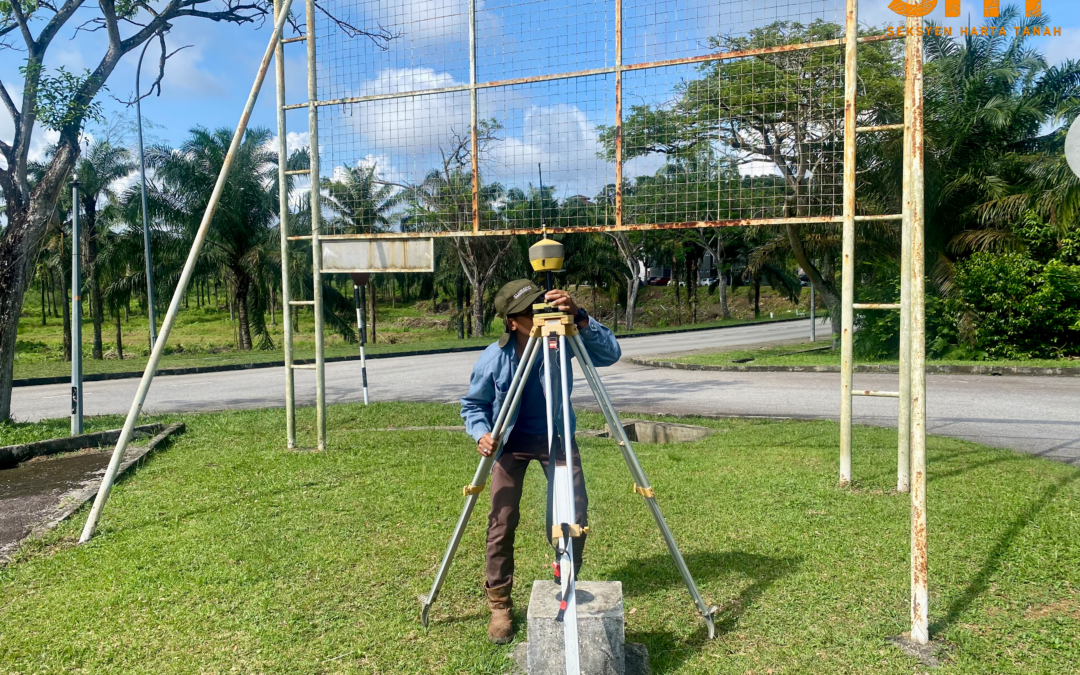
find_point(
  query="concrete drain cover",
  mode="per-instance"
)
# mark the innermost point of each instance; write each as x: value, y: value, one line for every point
x: 644, y: 431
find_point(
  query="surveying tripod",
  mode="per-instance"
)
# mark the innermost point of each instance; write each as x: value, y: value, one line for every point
x: 553, y: 331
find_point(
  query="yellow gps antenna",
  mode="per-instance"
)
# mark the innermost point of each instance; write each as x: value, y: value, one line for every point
x: 546, y: 255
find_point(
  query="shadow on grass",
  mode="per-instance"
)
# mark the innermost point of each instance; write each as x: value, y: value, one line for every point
x: 992, y: 563
x: 667, y: 652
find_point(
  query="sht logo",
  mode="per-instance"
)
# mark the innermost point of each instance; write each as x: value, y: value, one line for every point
x: 952, y: 7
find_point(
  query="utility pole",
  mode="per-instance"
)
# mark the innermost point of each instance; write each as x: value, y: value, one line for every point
x: 145, y: 219
x: 76, y: 317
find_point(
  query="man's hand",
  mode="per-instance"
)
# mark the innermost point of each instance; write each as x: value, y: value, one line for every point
x: 486, y: 445
x: 562, y: 300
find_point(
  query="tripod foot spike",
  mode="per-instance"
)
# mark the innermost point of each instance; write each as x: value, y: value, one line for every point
x: 427, y: 608
x: 710, y: 622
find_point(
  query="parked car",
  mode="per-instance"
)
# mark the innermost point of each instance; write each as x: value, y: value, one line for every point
x: 658, y: 281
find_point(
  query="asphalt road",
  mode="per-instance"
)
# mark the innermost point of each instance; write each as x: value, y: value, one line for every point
x: 1038, y: 415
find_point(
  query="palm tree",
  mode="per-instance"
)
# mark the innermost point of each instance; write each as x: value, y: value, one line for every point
x: 98, y: 170
x: 360, y: 201
x: 989, y: 100
x: 241, y: 239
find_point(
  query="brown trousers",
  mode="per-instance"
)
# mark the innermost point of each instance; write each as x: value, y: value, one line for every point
x: 507, y: 480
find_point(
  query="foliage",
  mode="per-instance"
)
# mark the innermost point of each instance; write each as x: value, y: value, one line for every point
x: 58, y: 105
x: 1018, y: 307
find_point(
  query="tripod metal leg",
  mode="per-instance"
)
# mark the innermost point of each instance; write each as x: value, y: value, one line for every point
x: 473, y: 490
x: 641, y: 483
x: 564, y: 512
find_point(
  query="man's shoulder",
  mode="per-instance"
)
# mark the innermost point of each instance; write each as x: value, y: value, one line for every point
x: 493, y: 353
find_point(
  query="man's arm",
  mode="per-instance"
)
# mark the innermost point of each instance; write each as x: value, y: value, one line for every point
x: 604, y: 349
x: 477, y: 405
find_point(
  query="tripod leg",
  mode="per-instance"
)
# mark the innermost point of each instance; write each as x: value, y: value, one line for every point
x: 641, y: 483
x: 565, y: 510
x: 472, y: 490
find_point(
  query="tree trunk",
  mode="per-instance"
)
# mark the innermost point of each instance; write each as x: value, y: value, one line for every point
x: 691, y: 288
x: 28, y: 215
x: 757, y: 297
x: 96, y: 310
x: 824, y: 288
x: 478, y: 310
x: 65, y: 312
x: 41, y: 282
x: 460, y: 306
x: 119, y: 338
x: 632, y: 284
x: 240, y: 298
x: 725, y: 311
x: 678, y: 300
x: 273, y: 305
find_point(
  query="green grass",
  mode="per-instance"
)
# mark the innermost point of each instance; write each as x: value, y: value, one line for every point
x: 227, y: 553
x: 782, y: 355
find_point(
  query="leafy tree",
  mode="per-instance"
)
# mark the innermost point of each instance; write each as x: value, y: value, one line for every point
x: 63, y: 101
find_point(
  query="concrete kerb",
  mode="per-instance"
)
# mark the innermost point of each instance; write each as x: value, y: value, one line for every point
x: 198, y: 370
x: 867, y: 368
x: 11, y: 455
x: 71, y: 501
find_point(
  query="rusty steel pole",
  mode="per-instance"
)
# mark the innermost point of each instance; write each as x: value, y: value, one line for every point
x: 316, y: 227
x: 618, y: 114
x: 903, y: 434
x: 847, y: 292
x: 474, y: 148
x: 920, y: 629
x: 283, y: 215
x: 182, y: 284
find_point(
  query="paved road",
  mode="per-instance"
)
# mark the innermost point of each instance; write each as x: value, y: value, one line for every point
x: 1038, y: 415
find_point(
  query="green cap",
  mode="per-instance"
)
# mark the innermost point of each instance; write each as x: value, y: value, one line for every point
x: 516, y: 296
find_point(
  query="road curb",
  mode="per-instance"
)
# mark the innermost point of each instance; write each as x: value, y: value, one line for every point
x: 198, y: 370
x: 1030, y: 371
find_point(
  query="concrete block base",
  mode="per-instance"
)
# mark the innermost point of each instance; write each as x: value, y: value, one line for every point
x: 601, y: 640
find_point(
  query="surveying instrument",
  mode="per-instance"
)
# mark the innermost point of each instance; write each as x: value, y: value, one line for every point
x: 553, y: 331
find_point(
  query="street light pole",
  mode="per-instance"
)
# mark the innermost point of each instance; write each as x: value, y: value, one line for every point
x: 145, y: 219
x: 76, y: 317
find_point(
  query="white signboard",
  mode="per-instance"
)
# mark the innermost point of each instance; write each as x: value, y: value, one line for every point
x: 378, y: 255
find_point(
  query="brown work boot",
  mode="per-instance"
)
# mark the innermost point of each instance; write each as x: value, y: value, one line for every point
x: 501, y: 626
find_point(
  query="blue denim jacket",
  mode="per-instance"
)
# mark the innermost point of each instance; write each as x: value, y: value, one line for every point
x: 495, y: 368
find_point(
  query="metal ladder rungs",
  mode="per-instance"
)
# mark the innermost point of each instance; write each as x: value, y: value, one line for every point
x: 871, y: 392
x: 299, y: 237
x: 286, y: 41
x: 298, y: 172
x: 879, y: 127
x: 301, y: 302
x: 304, y: 366
x: 876, y: 305
x: 873, y: 219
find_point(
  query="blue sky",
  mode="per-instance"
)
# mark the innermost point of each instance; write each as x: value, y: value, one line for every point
x: 207, y: 83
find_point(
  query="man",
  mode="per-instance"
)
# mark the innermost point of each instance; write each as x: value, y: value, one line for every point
x: 526, y: 431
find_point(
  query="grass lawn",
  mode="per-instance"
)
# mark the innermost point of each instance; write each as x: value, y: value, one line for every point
x: 226, y: 553
x: 798, y: 355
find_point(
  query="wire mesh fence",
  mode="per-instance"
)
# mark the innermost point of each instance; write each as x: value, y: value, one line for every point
x: 633, y: 113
